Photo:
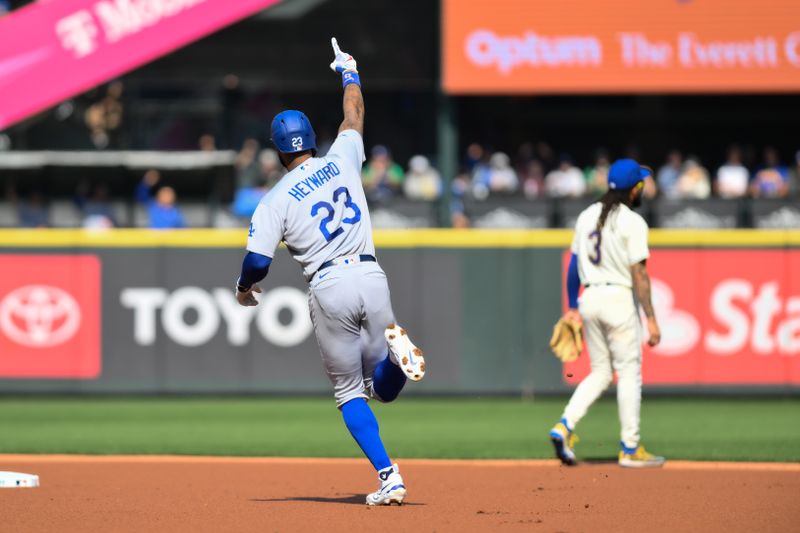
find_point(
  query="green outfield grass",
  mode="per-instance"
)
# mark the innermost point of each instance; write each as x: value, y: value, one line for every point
x: 704, y: 429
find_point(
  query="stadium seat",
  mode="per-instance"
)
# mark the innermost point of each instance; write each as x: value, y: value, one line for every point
x: 225, y: 219
x: 8, y: 215
x: 196, y: 214
x: 64, y: 214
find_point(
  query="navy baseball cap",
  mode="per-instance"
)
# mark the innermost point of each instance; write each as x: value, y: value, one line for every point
x: 626, y: 173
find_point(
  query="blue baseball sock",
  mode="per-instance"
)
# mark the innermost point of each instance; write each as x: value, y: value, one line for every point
x: 363, y: 427
x: 388, y: 380
x: 625, y: 449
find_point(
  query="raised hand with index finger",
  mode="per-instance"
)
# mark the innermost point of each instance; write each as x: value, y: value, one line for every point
x: 342, y: 61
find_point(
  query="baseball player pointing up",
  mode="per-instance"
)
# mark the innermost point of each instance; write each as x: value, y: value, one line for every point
x: 609, y: 256
x: 319, y: 210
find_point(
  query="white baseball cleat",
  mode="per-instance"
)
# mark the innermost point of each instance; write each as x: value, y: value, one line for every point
x: 404, y: 354
x: 392, y: 489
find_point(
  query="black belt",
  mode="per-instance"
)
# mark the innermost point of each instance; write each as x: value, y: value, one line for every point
x: 362, y: 258
x: 601, y: 285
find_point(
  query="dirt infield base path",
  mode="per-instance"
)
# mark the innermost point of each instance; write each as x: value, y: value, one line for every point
x: 190, y: 494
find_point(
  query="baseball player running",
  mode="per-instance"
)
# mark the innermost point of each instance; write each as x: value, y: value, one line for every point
x: 609, y: 256
x: 319, y: 210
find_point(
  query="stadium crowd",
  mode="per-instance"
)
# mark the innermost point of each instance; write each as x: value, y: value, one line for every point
x: 535, y: 172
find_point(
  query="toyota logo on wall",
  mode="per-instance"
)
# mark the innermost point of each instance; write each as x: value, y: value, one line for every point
x: 39, y: 316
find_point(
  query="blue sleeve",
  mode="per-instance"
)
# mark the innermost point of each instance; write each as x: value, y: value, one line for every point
x: 142, y: 193
x: 573, y: 282
x: 254, y: 268
x: 239, y: 206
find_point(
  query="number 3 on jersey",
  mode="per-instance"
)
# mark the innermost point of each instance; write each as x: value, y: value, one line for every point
x: 348, y: 204
x: 597, y: 237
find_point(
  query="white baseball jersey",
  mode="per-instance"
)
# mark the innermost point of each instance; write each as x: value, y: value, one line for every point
x: 606, y: 257
x: 318, y: 209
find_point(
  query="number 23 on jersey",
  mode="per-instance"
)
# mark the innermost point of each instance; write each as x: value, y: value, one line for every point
x: 348, y: 204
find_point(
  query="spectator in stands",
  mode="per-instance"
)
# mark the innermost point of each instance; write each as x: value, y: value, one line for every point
x: 161, y: 209
x: 597, y: 175
x: 207, y: 143
x: 97, y: 211
x: 270, y: 166
x: 693, y: 181
x: 382, y: 177
x: 422, y: 181
x: 461, y: 184
x: 474, y: 157
x: 459, y: 188
x: 668, y: 174
x: 566, y: 181
x: 33, y: 211
x: 772, y: 179
x: 732, y: 177
x: 496, y: 178
x: 247, y: 198
x: 246, y: 165
x: 546, y: 154
x: 476, y: 165
x: 532, y: 178
x: 104, y: 118
x: 650, y: 190
x: 794, y: 183
x: 525, y: 154
x: 459, y: 219
x: 231, y: 97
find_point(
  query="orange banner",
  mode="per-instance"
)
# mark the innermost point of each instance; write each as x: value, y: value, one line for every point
x: 620, y: 46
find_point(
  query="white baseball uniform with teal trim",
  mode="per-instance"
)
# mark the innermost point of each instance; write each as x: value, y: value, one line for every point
x: 319, y: 210
x: 609, y: 312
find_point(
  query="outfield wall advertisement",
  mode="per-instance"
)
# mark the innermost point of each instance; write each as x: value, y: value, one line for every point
x: 166, y: 320
x: 50, y: 326
x: 583, y: 46
x: 727, y: 316
x: 159, y: 315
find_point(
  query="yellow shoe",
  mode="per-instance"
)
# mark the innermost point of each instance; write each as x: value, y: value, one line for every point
x: 641, y: 458
x: 563, y: 441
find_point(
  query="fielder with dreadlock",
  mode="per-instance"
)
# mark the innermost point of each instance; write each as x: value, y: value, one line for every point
x: 609, y: 257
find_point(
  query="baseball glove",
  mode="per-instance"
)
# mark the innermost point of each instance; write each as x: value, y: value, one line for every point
x: 567, y: 340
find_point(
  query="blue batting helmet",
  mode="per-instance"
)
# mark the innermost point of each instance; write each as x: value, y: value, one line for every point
x: 292, y: 132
